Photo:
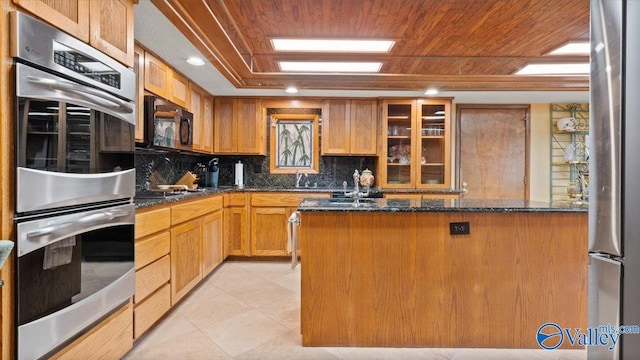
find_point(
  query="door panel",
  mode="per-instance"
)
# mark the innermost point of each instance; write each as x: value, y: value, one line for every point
x: 493, y: 151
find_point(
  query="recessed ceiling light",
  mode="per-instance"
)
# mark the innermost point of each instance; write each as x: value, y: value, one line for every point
x: 431, y: 92
x: 195, y: 61
x: 555, y: 69
x: 332, y: 45
x: 291, y: 90
x: 330, y: 67
x: 573, y: 48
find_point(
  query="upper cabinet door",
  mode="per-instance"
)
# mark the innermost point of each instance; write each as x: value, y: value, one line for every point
x: 225, y: 140
x: 195, y: 107
x: 416, y: 144
x: 156, y: 76
x: 349, y: 127
x: 251, y: 127
x: 179, y: 89
x: 239, y: 127
x: 106, y: 25
x: 364, y: 127
x: 71, y: 16
x: 336, y: 127
x: 138, y: 67
x: 206, y: 137
x: 111, y: 28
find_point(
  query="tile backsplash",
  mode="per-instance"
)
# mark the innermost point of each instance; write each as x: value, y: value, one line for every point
x: 172, y: 165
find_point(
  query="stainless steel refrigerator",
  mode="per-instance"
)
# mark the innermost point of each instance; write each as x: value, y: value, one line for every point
x: 614, y: 171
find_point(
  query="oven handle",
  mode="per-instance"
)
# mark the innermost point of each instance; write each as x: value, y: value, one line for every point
x: 79, y: 90
x: 89, y: 219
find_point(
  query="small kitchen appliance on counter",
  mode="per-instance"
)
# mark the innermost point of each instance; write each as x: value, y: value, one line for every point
x: 212, y: 173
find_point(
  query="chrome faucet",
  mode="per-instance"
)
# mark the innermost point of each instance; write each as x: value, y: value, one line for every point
x: 299, y: 177
x: 356, y: 194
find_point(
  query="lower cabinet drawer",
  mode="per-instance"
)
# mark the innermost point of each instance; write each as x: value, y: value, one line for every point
x: 152, y: 248
x: 151, y: 277
x: 151, y: 309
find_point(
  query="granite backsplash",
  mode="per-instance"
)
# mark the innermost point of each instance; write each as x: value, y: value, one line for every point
x: 172, y: 165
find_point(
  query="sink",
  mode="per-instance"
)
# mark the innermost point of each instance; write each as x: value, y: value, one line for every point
x: 346, y: 202
x: 158, y: 195
x: 350, y: 201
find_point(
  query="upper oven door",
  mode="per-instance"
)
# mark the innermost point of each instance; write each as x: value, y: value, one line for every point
x: 75, y: 144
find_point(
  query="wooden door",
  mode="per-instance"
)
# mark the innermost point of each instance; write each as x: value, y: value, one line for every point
x: 493, y: 143
x: 212, y: 247
x: 138, y: 67
x: 335, y: 127
x: 179, y: 89
x: 269, y: 231
x: 206, y: 135
x: 156, y: 76
x: 71, y: 16
x: 225, y: 138
x: 235, y: 230
x: 195, y: 107
x: 111, y: 28
x: 185, y: 258
x: 251, y: 128
x: 364, y: 127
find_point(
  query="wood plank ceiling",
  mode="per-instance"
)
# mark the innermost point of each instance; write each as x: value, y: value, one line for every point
x: 452, y: 45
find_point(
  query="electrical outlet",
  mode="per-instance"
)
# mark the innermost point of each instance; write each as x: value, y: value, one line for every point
x: 459, y: 228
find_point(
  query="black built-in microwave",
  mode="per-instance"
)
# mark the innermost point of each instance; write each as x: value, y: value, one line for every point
x: 167, y: 125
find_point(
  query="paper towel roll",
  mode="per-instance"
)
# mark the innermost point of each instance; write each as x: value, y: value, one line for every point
x: 240, y: 175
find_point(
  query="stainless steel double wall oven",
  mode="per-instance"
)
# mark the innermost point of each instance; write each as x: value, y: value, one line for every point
x: 75, y: 182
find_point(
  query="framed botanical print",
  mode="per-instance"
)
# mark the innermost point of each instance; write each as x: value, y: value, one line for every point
x: 294, y: 143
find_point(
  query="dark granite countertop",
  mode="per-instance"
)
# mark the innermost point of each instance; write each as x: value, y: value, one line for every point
x: 144, y: 200
x: 442, y: 205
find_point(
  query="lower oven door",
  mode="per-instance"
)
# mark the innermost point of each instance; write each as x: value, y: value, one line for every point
x: 72, y: 270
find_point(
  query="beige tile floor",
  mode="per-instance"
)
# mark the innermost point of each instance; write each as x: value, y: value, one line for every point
x: 251, y: 310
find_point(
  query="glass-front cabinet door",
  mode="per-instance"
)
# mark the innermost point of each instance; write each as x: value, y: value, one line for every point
x: 434, y: 134
x: 416, y: 137
x: 398, y: 123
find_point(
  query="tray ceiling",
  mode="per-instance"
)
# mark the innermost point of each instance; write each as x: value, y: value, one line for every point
x: 452, y: 45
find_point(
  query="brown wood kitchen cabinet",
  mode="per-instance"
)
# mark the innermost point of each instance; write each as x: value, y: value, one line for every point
x: 193, y: 232
x: 236, y: 227
x: 349, y: 127
x: 239, y: 126
x: 156, y: 76
x: 416, y: 142
x: 176, y: 246
x: 186, y: 271
x: 201, y: 105
x: 162, y: 80
x: 269, y: 218
x: 152, y: 298
x: 106, y: 25
x: 138, y: 67
x: 178, y: 89
x: 212, y: 241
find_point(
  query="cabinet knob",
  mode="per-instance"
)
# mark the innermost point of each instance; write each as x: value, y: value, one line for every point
x: 464, y: 188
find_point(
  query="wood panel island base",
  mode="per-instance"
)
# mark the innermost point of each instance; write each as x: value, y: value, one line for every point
x: 391, y: 275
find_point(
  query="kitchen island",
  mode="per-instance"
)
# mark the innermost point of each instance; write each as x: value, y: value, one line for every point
x: 392, y: 273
